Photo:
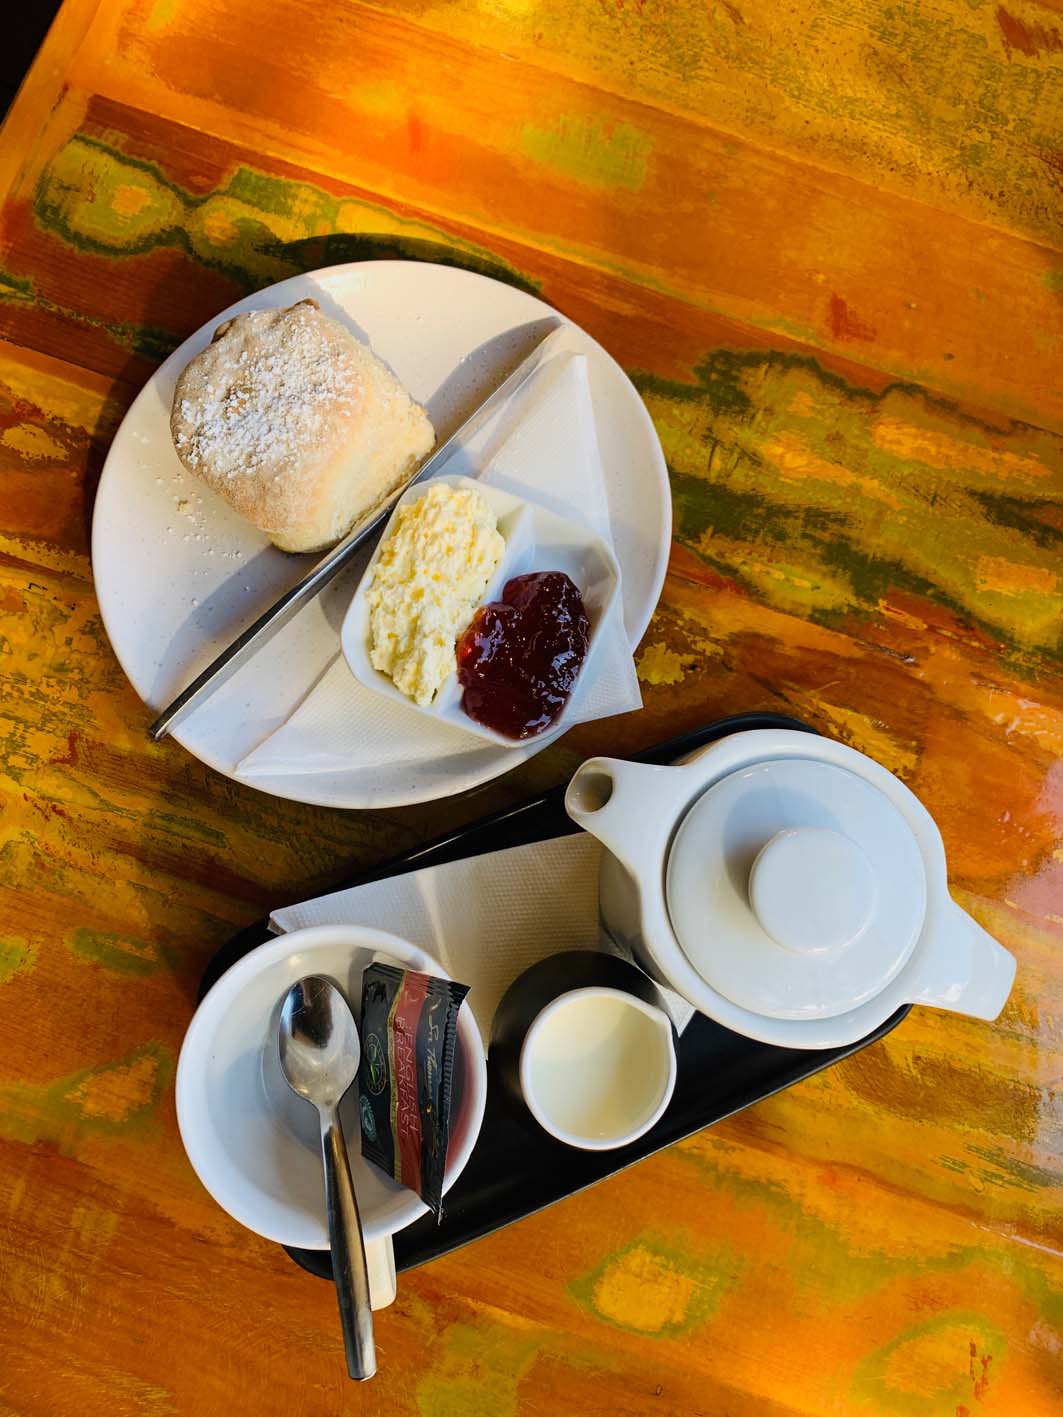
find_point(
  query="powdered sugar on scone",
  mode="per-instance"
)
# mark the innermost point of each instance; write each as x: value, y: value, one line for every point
x: 271, y: 414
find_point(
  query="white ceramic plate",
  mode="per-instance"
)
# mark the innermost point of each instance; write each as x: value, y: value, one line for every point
x: 178, y: 575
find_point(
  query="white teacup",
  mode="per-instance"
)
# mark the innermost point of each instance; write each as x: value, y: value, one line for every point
x: 255, y: 1145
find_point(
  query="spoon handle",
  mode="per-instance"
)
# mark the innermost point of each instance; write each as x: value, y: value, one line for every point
x: 348, y: 1252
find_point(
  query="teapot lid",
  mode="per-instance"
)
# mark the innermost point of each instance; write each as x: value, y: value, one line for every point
x: 796, y: 888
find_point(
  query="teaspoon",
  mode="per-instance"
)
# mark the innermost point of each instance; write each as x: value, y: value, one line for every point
x: 319, y: 1053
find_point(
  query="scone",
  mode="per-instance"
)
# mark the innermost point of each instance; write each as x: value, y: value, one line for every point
x: 297, y: 424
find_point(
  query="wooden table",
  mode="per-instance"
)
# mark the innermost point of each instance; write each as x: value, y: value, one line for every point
x: 826, y: 242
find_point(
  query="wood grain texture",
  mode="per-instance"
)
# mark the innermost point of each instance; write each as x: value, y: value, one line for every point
x: 670, y: 203
x: 825, y: 242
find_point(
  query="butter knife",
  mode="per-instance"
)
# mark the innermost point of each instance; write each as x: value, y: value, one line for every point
x: 262, y: 630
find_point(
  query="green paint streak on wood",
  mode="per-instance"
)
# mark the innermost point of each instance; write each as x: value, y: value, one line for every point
x: 743, y: 514
x: 826, y: 1269
x: 657, y: 1285
x: 120, y: 953
x: 1026, y: 1175
x: 822, y: 497
x: 832, y: 1265
x: 148, y: 340
x: 958, y: 1339
x: 871, y: 577
x: 1028, y: 516
x: 477, y: 1371
x: 256, y: 229
x: 183, y: 827
x: 15, y: 956
x: 591, y: 152
x: 956, y: 117
x: 115, y: 1098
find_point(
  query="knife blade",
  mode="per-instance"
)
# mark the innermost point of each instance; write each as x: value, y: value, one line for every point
x: 262, y: 630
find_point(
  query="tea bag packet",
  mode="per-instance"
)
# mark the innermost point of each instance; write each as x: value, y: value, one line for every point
x: 406, y: 1075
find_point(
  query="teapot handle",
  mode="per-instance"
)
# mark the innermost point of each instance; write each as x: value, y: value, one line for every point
x: 970, y: 972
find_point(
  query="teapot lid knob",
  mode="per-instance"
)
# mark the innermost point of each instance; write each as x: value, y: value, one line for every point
x: 812, y: 890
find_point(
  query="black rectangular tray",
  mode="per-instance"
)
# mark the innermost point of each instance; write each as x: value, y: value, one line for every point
x: 516, y: 1167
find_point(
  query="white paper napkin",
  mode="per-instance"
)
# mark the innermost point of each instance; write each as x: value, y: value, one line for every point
x: 545, y: 449
x: 486, y: 918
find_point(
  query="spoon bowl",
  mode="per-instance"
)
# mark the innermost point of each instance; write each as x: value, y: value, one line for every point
x: 319, y: 1043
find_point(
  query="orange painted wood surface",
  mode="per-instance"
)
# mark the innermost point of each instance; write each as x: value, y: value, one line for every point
x: 827, y: 243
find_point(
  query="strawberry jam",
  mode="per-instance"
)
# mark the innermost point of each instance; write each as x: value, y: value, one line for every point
x: 520, y: 656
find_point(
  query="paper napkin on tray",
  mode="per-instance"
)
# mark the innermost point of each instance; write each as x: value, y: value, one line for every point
x: 485, y: 918
x: 545, y: 449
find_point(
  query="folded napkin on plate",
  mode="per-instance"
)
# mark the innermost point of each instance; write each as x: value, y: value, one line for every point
x: 548, y: 453
x: 486, y: 918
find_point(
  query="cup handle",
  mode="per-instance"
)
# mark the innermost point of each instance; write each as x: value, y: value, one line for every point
x: 380, y: 1262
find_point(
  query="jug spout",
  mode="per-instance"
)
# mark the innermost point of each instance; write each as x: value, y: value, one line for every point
x: 969, y: 972
x: 629, y: 807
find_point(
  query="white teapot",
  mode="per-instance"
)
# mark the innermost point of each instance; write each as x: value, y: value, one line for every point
x: 788, y: 886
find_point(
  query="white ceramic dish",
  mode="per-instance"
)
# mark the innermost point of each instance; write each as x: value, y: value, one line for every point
x: 252, y: 1142
x: 178, y: 575
x: 536, y: 540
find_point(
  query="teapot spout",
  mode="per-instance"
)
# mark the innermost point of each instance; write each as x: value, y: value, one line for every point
x: 970, y: 972
x: 629, y: 807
